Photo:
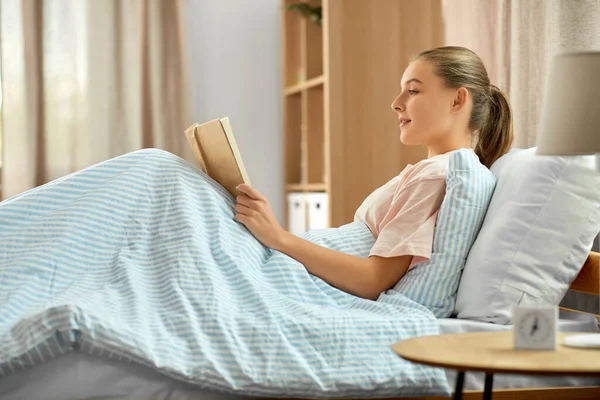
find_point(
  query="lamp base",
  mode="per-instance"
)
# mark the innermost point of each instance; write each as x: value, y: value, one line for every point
x: 586, y: 340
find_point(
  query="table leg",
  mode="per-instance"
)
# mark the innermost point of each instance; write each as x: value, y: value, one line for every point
x: 458, y: 390
x: 489, y: 383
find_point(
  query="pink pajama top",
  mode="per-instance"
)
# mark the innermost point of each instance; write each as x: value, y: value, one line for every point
x: 402, y: 213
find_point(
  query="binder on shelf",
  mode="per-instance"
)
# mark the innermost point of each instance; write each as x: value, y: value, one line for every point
x: 318, y: 210
x: 296, y: 213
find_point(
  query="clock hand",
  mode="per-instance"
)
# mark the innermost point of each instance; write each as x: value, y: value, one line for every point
x: 534, y: 327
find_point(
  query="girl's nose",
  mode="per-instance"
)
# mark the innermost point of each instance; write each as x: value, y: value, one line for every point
x: 397, y: 105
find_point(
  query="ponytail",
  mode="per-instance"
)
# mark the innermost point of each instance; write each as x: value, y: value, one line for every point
x: 496, y: 134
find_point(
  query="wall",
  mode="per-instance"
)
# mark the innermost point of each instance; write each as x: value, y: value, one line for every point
x: 235, y: 71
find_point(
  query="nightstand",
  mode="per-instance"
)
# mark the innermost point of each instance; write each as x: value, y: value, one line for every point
x: 492, y: 352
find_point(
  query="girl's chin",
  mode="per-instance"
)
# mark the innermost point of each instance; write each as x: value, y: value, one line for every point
x: 409, y: 140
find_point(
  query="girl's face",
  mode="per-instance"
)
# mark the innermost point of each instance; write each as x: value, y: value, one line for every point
x: 425, y: 106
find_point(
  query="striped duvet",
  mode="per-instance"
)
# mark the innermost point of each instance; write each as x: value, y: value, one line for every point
x: 139, y: 259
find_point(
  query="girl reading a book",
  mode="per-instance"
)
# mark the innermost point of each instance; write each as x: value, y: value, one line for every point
x: 446, y: 103
x: 145, y: 257
x: 151, y: 218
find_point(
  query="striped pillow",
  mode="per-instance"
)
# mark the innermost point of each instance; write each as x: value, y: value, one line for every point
x: 469, y: 189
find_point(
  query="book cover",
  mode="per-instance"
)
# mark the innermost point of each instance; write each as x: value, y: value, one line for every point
x: 217, y: 153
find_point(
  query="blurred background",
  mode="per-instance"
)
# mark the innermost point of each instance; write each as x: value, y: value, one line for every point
x: 87, y: 80
x: 306, y: 84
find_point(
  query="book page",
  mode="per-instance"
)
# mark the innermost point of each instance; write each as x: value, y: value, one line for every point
x: 234, y: 148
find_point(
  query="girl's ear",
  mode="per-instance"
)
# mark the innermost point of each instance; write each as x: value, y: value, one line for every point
x: 460, y: 99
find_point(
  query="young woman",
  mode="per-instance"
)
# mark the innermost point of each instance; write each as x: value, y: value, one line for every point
x: 141, y: 257
x: 446, y: 103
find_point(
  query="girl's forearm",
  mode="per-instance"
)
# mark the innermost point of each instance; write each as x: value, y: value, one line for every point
x: 363, y: 277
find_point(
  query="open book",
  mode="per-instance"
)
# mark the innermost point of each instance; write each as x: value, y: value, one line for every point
x: 217, y: 153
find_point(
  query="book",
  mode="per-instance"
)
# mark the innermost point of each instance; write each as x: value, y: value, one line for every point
x: 217, y: 153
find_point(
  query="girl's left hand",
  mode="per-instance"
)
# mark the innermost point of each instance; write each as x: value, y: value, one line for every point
x: 254, y: 211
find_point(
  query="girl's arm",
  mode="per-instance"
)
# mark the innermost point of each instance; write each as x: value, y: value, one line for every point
x: 363, y: 277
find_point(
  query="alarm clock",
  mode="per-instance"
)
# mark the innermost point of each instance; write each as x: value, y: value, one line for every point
x: 535, y: 327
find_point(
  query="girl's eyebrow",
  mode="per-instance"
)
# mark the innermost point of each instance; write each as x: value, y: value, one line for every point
x: 412, y: 80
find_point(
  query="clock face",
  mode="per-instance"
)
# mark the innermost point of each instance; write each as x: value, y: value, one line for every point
x: 535, y: 327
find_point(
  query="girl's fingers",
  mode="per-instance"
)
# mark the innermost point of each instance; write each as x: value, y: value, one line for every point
x: 244, y: 199
x: 248, y: 202
x: 242, y: 209
x: 250, y: 192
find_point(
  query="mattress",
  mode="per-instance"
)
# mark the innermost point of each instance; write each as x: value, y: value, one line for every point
x: 82, y: 376
x: 78, y: 376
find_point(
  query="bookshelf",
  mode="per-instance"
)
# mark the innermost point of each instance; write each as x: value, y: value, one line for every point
x: 340, y: 136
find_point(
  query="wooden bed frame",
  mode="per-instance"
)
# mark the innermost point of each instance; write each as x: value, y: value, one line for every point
x: 588, y: 281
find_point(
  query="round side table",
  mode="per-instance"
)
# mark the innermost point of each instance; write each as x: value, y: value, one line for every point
x: 493, y: 352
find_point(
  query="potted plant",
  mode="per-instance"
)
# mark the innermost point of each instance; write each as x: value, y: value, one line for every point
x: 313, y: 13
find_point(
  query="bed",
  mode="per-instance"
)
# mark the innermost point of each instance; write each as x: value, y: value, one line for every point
x: 77, y: 375
x: 105, y: 318
x: 140, y: 261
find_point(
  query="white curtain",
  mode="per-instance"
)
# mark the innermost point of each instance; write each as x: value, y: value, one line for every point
x: 516, y: 40
x: 482, y: 26
x: 87, y: 80
x: 541, y: 29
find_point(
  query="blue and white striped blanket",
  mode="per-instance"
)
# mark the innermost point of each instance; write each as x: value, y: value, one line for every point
x: 139, y: 259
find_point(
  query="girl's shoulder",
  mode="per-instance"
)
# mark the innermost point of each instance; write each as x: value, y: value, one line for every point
x: 434, y: 167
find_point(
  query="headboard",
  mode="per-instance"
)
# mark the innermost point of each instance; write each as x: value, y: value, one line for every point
x: 588, y: 280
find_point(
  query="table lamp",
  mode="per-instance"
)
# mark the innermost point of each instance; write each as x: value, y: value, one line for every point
x: 570, y: 123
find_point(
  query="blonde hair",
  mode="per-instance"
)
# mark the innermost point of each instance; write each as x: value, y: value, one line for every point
x: 491, y: 117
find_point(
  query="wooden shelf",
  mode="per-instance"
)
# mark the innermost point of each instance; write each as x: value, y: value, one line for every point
x: 297, y: 88
x: 340, y: 136
x: 306, y: 187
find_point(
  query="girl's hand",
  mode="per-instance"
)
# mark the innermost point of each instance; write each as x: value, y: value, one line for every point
x: 254, y: 211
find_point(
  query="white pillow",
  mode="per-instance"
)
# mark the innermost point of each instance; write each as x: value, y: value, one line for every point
x: 536, y: 235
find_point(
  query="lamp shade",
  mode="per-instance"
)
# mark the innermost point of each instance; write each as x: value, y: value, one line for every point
x: 570, y: 122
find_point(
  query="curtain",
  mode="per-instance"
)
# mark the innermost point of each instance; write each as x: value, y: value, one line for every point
x: 482, y: 26
x: 540, y: 30
x: 517, y: 40
x: 86, y: 80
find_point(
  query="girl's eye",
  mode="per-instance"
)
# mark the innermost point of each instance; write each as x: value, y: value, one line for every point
x: 412, y: 92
